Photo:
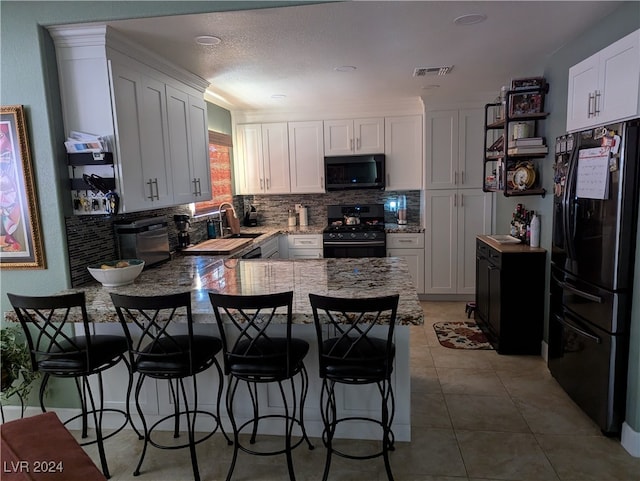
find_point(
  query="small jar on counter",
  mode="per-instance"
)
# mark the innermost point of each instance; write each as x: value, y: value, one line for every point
x: 292, y: 218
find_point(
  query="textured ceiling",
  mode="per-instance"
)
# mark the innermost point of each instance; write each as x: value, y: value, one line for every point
x: 293, y: 50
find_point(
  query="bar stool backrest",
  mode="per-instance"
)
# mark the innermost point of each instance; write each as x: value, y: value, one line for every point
x: 251, y: 317
x: 153, y: 315
x: 47, y: 322
x: 345, y: 339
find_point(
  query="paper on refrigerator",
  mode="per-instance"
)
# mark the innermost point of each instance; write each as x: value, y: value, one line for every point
x: 593, y: 173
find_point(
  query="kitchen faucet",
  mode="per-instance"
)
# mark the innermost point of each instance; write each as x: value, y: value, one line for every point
x: 221, y: 221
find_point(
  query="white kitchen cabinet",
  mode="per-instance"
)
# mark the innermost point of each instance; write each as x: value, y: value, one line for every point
x: 144, y: 170
x: 403, y: 150
x: 304, y: 246
x: 604, y: 88
x: 454, y: 218
x: 306, y: 157
x: 453, y: 158
x: 264, y: 155
x: 114, y: 88
x: 187, y: 118
x: 357, y: 136
x: 411, y: 247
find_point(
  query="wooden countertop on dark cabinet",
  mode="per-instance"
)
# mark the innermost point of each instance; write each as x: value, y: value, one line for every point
x: 510, y: 282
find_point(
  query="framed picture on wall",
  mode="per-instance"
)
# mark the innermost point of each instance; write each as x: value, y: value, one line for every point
x: 21, y: 245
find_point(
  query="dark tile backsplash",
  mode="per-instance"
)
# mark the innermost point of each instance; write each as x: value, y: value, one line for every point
x: 91, y: 239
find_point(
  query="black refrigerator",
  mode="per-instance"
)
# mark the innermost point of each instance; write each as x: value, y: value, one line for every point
x: 592, y: 261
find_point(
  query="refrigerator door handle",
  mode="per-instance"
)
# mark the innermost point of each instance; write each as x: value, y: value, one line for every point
x: 575, y: 290
x: 573, y: 327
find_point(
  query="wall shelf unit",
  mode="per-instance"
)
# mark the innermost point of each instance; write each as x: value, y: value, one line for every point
x: 512, y: 149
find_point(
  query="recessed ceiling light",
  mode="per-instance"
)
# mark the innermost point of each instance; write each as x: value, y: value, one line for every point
x: 278, y: 96
x: 470, y: 19
x: 345, y: 68
x: 207, y: 40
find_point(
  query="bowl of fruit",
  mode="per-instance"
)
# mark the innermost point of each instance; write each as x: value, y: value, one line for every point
x: 116, y: 273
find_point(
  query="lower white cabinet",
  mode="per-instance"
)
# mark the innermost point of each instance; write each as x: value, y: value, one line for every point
x: 304, y: 246
x: 411, y: 247
x: 454, y: 218
x: 270, y: 250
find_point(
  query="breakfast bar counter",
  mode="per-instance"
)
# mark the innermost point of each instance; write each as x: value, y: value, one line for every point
x: 361, y: 277
x: 343, y: 277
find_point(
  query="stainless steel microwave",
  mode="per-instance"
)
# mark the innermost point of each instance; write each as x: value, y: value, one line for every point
x: 355, y: 172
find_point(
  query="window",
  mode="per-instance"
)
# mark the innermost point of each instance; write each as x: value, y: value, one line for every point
x: 220, y: 161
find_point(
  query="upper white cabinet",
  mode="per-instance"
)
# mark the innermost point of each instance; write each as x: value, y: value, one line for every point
x: 189, y: 147
x: 264, y: 154
x: 454, y: 149
x: 306, y: 157
x: 604, y: 87
x: 153, y: 113
x: 403, y: 150
x: 144, y: 170
x: 349, y: 137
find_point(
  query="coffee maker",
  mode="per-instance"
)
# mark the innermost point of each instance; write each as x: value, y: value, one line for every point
x: 183, y: 222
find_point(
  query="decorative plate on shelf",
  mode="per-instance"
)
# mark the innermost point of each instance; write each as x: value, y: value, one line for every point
x: 524, y: 176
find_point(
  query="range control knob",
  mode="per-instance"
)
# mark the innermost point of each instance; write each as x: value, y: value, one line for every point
x: 353, y: 235
x: 374, y: 235
x: 332, y: 235
x: 340, y: 235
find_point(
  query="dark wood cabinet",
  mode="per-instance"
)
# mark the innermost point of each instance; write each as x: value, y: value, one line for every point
x: 510, y: 280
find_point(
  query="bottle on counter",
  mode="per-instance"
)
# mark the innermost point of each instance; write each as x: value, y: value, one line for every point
x: 292, y: 218
x: 211, y: 229
x: 402, y: 210
x: 535, y: 231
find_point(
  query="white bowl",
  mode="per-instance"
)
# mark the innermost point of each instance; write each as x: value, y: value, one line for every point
x: 109, y: 275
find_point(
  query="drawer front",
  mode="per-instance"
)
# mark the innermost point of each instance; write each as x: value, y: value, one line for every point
x: 405, y: 241
x: 304, y: 241
x: 482, y: 249
x: 495, y: 257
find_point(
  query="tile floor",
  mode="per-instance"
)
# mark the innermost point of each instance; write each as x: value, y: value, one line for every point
x: 476, y: 416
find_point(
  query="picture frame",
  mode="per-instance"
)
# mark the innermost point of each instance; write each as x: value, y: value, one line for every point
x: 21, y: 244
x: 528, y: 83
x: 525, y: 104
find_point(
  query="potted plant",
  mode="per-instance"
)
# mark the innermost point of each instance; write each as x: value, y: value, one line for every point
x: 17, y: 373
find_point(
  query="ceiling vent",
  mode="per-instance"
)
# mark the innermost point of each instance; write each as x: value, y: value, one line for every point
x: 429, y: 71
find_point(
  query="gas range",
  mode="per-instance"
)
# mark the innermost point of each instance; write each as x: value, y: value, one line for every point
x: 355, y: 231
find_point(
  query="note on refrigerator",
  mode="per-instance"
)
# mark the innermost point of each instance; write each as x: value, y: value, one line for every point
x: 593, y: 173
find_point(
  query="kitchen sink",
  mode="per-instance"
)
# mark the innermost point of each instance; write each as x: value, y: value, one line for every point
x: 244, y: 235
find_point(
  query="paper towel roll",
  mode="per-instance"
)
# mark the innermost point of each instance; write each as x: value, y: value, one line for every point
x: 303, y: 216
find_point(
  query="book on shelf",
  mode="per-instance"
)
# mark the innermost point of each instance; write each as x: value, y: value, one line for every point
x: 526, y: 141
x: 530, y: 149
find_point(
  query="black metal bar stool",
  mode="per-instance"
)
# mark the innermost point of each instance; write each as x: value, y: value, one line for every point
x: 258, y: 357
x: 158, y: 354
x: 350, y: 354
x: 56, y: 351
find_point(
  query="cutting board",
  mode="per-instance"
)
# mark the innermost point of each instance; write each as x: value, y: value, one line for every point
x: 218, y: 246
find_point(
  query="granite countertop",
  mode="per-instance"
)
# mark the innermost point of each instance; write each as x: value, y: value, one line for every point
x: 362, y: 277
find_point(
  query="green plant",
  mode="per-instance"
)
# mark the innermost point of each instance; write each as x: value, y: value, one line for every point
x: 17, y: 374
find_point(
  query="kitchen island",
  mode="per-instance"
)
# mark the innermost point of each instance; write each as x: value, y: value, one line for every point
x: 361, y: 277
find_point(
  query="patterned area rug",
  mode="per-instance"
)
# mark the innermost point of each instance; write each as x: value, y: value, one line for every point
x: 461, y: 335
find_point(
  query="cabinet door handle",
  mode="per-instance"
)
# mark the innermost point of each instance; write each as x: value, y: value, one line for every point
x: 455, y: 178
x: 462, y: 177
x: 590, y: 107
x: 358, y: 143
x: 261, y: 184
x: 153, y: 196
x: 195, y: 186
x: 268, y: 184
x: 150, y: 184
x: 351, y: 144
x: 596, y: 104
x: 405, y: 241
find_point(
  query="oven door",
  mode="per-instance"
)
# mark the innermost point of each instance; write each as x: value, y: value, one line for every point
x: 354, y: 249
